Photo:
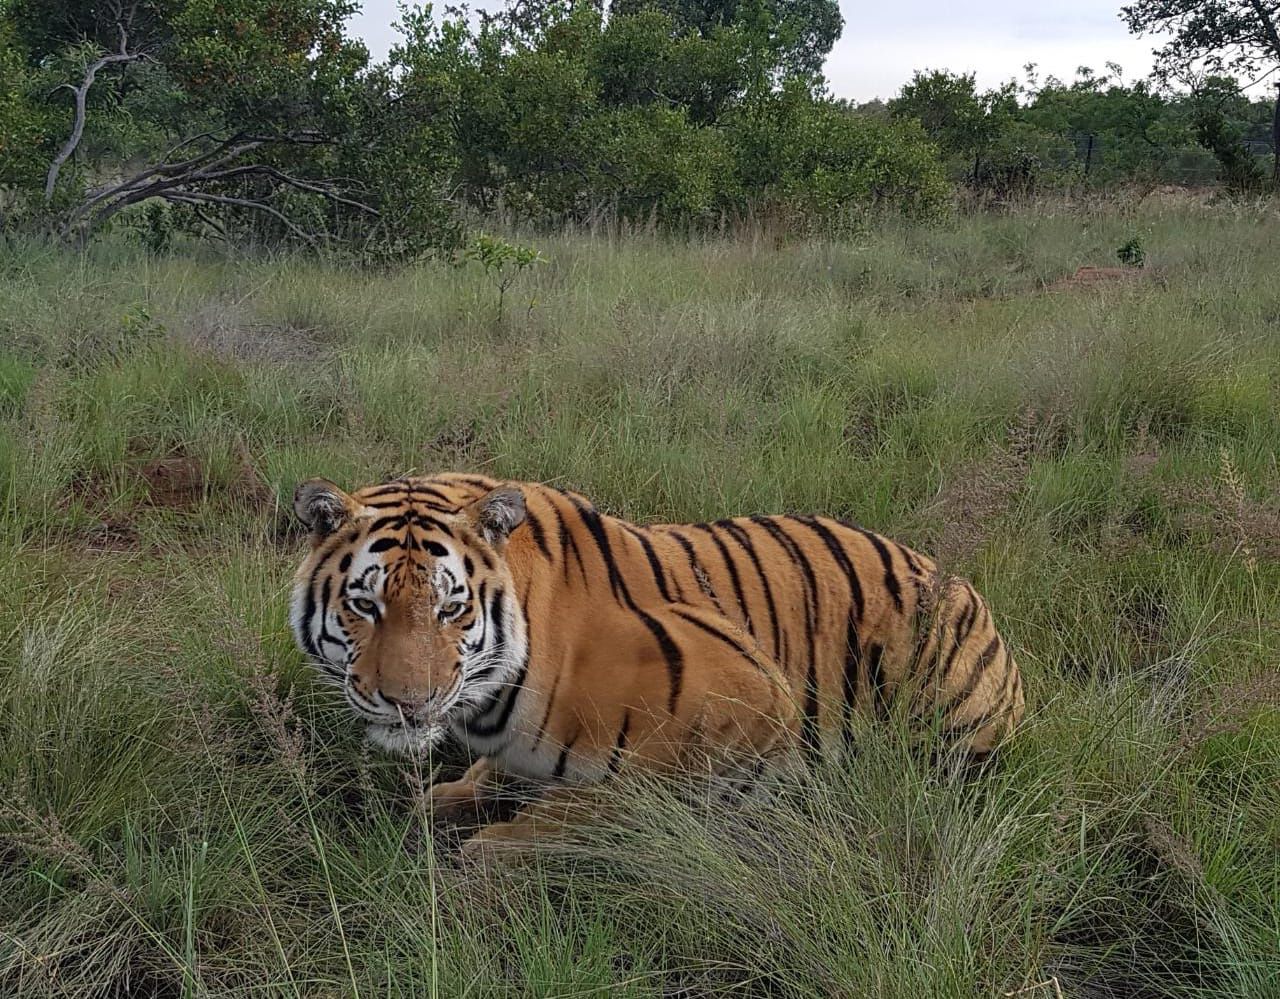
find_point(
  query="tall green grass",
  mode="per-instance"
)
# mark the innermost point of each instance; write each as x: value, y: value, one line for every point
x: 183, y: 812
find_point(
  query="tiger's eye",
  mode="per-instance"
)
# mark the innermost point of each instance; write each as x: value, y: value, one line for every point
x: 364, y: 606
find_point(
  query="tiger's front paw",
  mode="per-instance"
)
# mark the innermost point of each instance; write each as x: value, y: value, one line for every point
x: 455, y: 800
x: 494, y: 843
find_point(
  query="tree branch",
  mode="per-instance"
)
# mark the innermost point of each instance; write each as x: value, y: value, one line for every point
x: 81, y: 92
x: 196, y: 197
x: 1268, y: 26
x: 224, y: 153
x: 323, y: 189
x: 188, y: 182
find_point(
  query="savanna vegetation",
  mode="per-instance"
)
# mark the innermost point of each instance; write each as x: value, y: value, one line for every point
x: 187, y: 812
x: 646, y: 254
x: 264, y: 124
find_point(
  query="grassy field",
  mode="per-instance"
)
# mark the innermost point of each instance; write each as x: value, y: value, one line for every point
x: 184, y: 813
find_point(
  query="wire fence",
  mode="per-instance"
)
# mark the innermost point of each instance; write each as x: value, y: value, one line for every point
x: 1101, y: 157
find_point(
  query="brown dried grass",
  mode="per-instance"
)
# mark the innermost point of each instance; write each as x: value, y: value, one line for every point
x: 981, y: 491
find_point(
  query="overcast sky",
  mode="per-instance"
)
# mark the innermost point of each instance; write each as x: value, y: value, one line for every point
x: 884, y: 41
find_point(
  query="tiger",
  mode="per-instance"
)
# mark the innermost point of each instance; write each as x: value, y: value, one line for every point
x: 559, y: 644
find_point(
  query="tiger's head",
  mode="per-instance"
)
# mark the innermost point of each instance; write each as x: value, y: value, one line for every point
x: 407, y: 603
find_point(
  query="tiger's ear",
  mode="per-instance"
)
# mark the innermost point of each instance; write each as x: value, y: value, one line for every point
x: 322, y: 506
x: 497, y: 513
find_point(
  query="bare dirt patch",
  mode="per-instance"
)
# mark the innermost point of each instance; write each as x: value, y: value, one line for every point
x: 178, y: 481
x: 1094, y: 277
x: 181, y: 481
x: 174, y: 482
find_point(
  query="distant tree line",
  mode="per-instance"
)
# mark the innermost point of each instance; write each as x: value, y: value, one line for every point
x: 1096, y: 131
x: 263, y: 122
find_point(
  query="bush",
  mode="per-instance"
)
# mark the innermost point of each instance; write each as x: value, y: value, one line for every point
x: 653, y: 159
x: 24, y: 122
x: 826, y: 161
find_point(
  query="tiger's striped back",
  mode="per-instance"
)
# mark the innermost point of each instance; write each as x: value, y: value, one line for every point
x: 620, y: 641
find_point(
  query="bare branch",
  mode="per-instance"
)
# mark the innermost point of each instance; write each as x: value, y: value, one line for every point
x: 323, y: 189
x: 211, y: 222
x: 122, y: 55
x: 193, y: 197
x: 215, y: 157
x: 196, y: 179
x: 186, y: 142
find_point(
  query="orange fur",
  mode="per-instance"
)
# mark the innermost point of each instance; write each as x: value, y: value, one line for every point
x: 610, y: 642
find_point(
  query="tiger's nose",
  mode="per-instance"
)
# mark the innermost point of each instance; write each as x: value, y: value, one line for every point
x: 406, y: 701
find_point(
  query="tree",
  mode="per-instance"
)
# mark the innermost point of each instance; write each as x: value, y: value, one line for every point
x: 1217, y: 109
x: 257, y: 119
x: 125, y: 21
x: 645, y: 58
x: 558, y: 112
x: 965, y: 123
x: 1124, y: 131
x: 827, y: 162
x: 46, y: 27
x: 1214, y: 37
x: 800, y: 33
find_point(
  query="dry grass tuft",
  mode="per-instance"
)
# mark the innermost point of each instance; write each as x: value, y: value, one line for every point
x: 1172, y: 849
x: 181, y: 481
x: 1222, y: 511
x: 1232, y: 707
x: 982, y: 491
x: 226, y: 330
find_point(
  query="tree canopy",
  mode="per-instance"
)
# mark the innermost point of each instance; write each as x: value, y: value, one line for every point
x: 265, y: 123
x: 1236, y: 37
x: 1213, y: 42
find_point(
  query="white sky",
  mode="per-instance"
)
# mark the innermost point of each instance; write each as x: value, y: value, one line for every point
x: 883, y: 42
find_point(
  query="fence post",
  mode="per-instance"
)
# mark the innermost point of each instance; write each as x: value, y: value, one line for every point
x: 1275, y: 141
x: 1088, y: 156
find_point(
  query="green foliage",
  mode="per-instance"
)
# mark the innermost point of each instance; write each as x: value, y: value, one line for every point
x: 1132, y: 253
x: 653, y: 160
x: 1133, y: 130
x: 554, y: 124
x: 261, y: 57
x: 649, y: 117
x: 798, y: 34
x: 1216, y: 108
x: 679, y: 114
x: 829, y: 162
x: 1096, y: 130
x: 46, y: 27
x: 642, y: 59
x: 1210, y: 42
x: 962, y: 121
x: 1218, y: 36
x: 24, y: 122
x: 986, y: 138
x: 502, y: 262
x: 984, y: 143
x: 337, y: 158
x: 156, y: 227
